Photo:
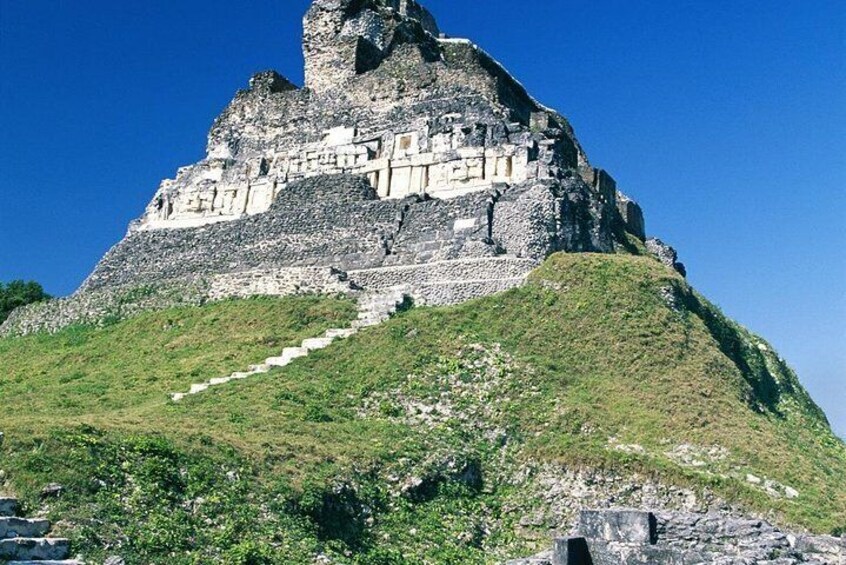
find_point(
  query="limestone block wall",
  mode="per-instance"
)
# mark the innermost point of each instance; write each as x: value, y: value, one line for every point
x: 440, y: 159
x: 448, y: 282
x: 101, y: 306
x: 339, y: 221
x: 436, y: 230
x: 279, y: 282
x: 631, y: 215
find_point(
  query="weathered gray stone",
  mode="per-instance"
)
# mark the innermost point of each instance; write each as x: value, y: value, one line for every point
x: 23, y: 528
x: 8, y: 506
x: 685, y: 538
x: 665, y: 254
x: 33, y: 549
x: 53, y: 490
x: 632, y: 216
x: 571, y: 551
x: 628, y: 526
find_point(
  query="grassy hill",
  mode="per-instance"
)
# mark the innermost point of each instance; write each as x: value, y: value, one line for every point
x: 432, y: 438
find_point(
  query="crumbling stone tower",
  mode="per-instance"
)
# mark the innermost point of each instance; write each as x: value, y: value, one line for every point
x: 344, y: 38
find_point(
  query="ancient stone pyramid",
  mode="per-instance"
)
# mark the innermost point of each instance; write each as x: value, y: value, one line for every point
x: 408, y: 158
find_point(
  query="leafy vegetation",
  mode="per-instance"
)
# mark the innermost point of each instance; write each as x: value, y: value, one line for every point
x: 19, y: 293
x: 417, y: 441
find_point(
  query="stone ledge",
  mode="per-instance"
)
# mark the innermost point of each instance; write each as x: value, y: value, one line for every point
x: 627, y: 526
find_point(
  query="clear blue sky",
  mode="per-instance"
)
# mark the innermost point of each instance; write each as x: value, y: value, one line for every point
x: 726, y: 119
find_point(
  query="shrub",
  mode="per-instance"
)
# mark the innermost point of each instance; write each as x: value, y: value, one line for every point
x: 19, y: 293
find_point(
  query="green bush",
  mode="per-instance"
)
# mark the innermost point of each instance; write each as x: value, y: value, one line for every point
x: 19, y: 293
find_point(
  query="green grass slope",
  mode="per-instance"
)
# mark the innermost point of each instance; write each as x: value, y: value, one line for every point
x: 423, y: 440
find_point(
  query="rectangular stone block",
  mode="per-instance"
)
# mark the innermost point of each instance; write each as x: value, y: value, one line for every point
x: 8, y: 506
x: 617, y: 553
x: 338, y: 136
x: 626, y: 526
x: 33, y: 549
x: 23, y: 528
x: 464, y: 224
x: 571, y: 551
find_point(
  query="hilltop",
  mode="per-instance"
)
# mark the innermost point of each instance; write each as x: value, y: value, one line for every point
x: 457, y: 434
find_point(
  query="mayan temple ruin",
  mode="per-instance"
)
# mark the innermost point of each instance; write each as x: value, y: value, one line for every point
x: 407, y: 158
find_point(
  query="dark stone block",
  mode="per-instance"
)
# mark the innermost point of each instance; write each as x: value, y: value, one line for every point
x: 571, y: 551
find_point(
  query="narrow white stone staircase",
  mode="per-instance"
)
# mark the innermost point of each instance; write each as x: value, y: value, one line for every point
x: 373, y: 309
x: 23, y: 541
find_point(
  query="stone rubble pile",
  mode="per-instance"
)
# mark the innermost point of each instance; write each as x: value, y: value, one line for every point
x: 25, y: 541
x: 373, y: 309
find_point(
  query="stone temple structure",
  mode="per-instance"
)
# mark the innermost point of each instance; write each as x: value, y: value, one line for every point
x: 408, y: 158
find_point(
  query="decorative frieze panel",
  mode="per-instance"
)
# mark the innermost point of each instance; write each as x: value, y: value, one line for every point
x: 396, y: 165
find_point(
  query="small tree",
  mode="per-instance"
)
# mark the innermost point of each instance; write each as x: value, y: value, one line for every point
x: 19, y: 293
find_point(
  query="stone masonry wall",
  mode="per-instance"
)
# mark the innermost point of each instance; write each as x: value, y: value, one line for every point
x: 448, y: 282
x: 337, y: 221
x: 631, y: 537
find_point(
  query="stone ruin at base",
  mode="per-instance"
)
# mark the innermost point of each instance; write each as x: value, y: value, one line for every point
x: 408, y: 158
x: 634, y: 537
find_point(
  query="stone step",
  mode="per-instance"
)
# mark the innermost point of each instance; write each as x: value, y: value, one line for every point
x: 197, y: 388
x: 294, y: 352
x: 23, y: 528
x: 383, y: 306
x: 277, y: 361
x: 34, y: 549
x: 50, y: 562
x: 8, y: 506
x: 288, y: 355
x: 381, y: 300
x: 339, y: 333
x: 368, y: 323
x: 315, y: 343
